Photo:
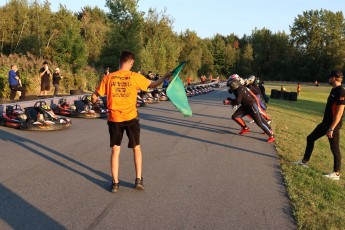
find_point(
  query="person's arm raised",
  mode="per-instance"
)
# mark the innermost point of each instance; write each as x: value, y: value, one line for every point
x: 154, y: 84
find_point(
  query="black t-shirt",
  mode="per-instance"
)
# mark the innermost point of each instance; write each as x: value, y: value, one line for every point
x: 262, y: 89
x: 46, y: 76
x: 243, y: 96
x: 56, y: 78
x: 336, y: 97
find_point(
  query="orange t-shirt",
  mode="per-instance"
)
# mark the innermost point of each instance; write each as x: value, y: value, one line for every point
x: 121, y: 88
x: 189, y: 80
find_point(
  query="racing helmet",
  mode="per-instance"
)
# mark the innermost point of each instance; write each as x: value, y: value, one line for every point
x: 250, y: 80
x: 232, y: 77
x: 257, y: 81
x: 234, y: 84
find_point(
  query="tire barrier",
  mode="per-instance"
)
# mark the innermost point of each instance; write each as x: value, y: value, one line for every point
x: 30, y: 97
x: 293, y: 96
x: 280, y: 95
x: 277, y: 94
x: 274, y: 93
x: 286, y: 96
x: 75, y: 91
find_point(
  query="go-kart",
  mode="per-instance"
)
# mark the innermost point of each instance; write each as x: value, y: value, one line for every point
x: 141, y: 102
x: 150, y: 99
x: 161, y: 94
x: 62, y: 108
x: 85, y: 109
x: 37, y: 118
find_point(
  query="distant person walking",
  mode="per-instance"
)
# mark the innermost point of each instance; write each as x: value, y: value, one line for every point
x: 45, y: 75
x: 56, y: 81
x: 298, y: 88
x: 121, y: 89
x: 330, y: 125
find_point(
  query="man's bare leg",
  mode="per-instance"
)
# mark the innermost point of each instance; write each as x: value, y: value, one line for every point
x: 115, y: 160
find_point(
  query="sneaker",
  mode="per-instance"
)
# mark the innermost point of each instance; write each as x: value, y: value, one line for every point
x: 115, y: 187
x: 332, y: 176
x: 301, y: 163
x: 139, y: 184
x: 271, y: 139
x: 269, y: 122
x: 244, y: 130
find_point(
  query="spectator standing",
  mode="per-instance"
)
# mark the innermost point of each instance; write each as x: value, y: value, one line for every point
x: 189, y: 80
x: 45, y: 75
x: 263, y: 91
x: 298, y: 88
x: 330, y: 125
x: 56, y: 81
x: 15, y: 83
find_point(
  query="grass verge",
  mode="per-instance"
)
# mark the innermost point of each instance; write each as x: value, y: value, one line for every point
x: 318, y: 202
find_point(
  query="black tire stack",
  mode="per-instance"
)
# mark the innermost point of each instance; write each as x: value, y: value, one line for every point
x: 277, y: 94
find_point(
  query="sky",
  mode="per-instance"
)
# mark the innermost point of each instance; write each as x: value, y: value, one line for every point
x: 210, y: 17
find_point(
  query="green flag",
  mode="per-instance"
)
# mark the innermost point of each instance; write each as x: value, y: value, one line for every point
x: 177, y: 94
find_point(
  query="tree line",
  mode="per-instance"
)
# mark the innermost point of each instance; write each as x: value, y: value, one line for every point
x: 83, y: 43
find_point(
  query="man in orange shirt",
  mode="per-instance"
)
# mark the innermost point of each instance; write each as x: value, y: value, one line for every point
x: 121, y: 88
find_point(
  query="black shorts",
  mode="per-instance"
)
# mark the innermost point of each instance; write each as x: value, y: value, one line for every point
x: 45, y: 85
x: 132, y: 128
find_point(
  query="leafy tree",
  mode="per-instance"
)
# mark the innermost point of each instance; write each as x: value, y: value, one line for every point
x: 94, y: 29
x: 67, y: 45
x: 192, y: 52
x: 224, y: 53
x: 125, y: 32
x: 319, y: 37
x: 207, y: 59
x: 245, y: 63
x: 161, y: 46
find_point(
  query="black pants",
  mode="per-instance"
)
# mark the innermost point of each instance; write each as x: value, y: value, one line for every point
x: 56, y: 90
x: 318, y: 132
x: 254, y: 112
x: 14, y: 90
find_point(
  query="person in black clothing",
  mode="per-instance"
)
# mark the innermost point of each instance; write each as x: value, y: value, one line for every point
x: 45, y: 74
x: 330, y: 125
x: 249, y: 107
x: 253, y: 86
x: 263, y: 91
x: 56, y: 81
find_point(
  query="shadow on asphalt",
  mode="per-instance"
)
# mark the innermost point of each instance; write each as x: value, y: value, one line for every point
x: 192, y: 125
x: 14, y: 210
x: 25, y: 143
x: 176, y: 111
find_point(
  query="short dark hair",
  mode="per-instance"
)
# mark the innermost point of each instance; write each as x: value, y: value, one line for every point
x: 45, y: 63
x: 126, y: 56
x: 336, y: 74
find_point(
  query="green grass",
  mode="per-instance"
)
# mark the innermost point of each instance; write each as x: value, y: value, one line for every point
x: 318, y: 202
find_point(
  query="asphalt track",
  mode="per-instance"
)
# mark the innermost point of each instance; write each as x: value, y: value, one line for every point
x: 198, y: 174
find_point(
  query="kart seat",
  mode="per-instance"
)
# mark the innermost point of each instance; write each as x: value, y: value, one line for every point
x: 31, y: 113
x: 79, y: 105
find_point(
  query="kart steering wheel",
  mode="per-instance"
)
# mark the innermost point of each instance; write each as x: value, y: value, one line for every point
x: 40, y: 104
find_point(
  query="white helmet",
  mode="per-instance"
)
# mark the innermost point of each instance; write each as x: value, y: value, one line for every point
x: 250, y: 80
